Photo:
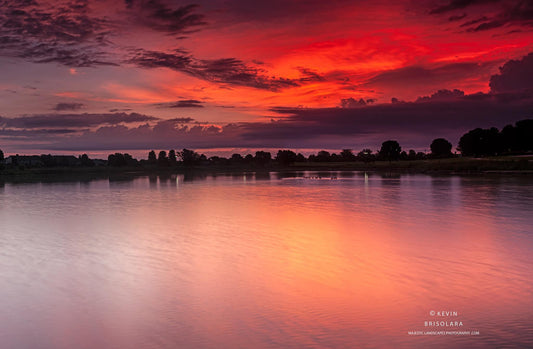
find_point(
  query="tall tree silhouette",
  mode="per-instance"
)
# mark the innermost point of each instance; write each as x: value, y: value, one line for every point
x: 441, y: 148
x: 323, y: 156
x: 365, y: 155
x: 480, y: 142
x: 390, y: 150
x: 151, y: 157
x: 162, y: 159
x: 524, y: 133
x: 172, y: 159
x: 347, y: 155
x: 85, y: 161
x: 189, y: 157
x: 262, y: 158
x: 286, y: 157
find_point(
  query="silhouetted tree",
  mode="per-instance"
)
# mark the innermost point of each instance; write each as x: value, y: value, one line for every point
x: 249, y: 158
x: 1, y: 155
x: 236, y: 159
x: 390, y: 150
x: 411, y: 155
x: 480, y: 142
x: 286, y: 157
x: 366, y: 155
x: 335, y: 158
x: 48, y: 160
x: 189, y: 157
x: 516, y: 139
x: 300, y: 158
x: 347, y: 155
x: 509, y: 139
x: 162, y: 159
x: 116, y: 160
x: 151, y: 157
x: 172, y: 159
x: 130, y: 161
x: 441, y: 148
x: 218, y: 160
x: 524, y: 134
x: 262, y: 158
x: 323, y: 156
x: 85, y: 161
x: 119, y: 160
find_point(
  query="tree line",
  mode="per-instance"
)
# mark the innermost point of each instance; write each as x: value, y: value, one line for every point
x: 512, y: 139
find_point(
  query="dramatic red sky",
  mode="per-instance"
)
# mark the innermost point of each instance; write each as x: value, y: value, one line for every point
x: 90, y: 76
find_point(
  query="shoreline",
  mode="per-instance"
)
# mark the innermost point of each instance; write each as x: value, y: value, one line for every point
x: 522, y: 166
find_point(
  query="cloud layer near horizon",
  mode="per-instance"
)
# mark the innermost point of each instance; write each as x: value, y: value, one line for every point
x: 445, y: 113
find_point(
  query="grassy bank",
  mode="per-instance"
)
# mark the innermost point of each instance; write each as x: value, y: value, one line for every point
x: 519, y: 164
x: 460, y: 165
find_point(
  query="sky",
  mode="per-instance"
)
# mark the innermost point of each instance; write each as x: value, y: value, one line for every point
x: 233, y: 76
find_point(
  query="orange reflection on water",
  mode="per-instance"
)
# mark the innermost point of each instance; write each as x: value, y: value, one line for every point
x: 228, y: 262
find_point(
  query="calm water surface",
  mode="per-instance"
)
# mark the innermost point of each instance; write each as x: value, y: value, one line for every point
x: 267, y: 261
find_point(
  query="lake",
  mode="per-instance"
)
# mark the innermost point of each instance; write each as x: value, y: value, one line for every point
x: 268, y: 260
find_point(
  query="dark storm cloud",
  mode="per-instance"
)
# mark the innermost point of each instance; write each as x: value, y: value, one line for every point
x: 445, y: 113
x: 452, y: 115
x: 499, y: 13
x: 41, y: 133
x: 515, y: 76
x: 68, y: 106
x: 230, y: 71
x: 185, y: 103
x: 72, y: 120
x: 64, y: 33
x: 158, y: 16
x: 274, y: 10
x: 518, y: 13
x: 442, y: 95
x: 165, y: 134
x: 458, y: 5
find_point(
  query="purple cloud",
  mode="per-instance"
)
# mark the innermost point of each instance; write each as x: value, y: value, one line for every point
x: 157, y: 16
x: 68, y: 106
x: 515, y: 76
x: 185, y: 103
x: 72, y: 120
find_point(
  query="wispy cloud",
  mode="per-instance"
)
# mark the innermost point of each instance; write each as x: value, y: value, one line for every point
x: 231, y: 71
x: 185, y: 103
x: 72, y: 120
x: 68, y: 106
x: 62, y: 32
x: 498, y: 13
x: 158, y: 16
